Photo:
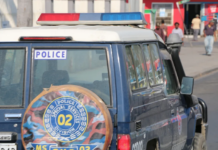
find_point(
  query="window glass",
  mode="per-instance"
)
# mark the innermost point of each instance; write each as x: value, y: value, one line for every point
x: 131, y: 68
x: 11, y: 77
x: 136, y: 67
x: 170, y: 78
x: 153, y: 64
x: 84, y: 67
x: 149, y: 65
x: 164, y: 12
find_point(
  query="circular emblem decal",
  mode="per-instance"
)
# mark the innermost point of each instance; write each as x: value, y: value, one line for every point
x: 65, y: 119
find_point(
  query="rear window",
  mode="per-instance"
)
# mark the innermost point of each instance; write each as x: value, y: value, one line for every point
x: 83, y: 67
x: 11, y: 77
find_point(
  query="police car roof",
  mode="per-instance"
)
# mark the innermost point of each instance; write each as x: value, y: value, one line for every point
x: 80, y: 33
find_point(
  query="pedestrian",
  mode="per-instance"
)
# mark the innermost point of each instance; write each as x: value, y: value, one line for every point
x: 215, y: 25
x: 209, y: 32
x: 178, y: 31
x: 196, y: 27
x: 164, y: 28
x: 159, y: 31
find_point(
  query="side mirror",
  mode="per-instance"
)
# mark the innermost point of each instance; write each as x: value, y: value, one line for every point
x: 174, y: 40
x: 187, y: 86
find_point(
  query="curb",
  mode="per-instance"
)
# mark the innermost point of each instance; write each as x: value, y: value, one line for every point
x: 205, y: 73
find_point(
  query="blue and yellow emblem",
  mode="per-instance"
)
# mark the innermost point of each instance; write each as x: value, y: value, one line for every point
x: 65, y: 119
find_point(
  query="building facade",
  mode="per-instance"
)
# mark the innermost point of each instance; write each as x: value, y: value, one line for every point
x: 168, y: 11
x: 154, y: 10
x: 8, y: 8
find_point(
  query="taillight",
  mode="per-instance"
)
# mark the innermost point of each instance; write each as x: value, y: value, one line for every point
x: 124, y: 142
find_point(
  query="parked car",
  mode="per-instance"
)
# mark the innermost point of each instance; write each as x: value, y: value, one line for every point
x: 82, y: 82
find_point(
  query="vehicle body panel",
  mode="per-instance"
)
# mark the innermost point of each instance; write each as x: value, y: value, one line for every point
x: 162, y: 117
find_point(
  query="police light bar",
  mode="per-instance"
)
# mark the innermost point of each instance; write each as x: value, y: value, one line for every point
x: 133, y: 18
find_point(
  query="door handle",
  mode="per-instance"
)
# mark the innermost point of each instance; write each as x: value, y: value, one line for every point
x: 172, y: 112
x: 13, y: 116
x: 181, y: 110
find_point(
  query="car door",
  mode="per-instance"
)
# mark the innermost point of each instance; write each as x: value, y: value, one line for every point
x: 150, y: 111
x: 86, y: 65
x: 14, y: 87
x: 160, y: 102
x: 138, y: 84
x: 178, y: 110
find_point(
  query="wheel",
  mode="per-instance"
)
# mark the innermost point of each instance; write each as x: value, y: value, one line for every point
x: 199, y: 142
x: 153, y: 145
x: 157, y: 146
x: 67, y: 117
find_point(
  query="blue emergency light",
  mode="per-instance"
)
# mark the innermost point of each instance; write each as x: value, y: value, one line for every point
x: 134, y: 18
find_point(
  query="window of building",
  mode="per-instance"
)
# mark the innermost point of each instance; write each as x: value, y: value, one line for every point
x: 164, y: 12
x: 153, y: 64
x: 135, y: 67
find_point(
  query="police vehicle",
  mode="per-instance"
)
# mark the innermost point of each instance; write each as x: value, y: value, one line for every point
x: 96, y: 81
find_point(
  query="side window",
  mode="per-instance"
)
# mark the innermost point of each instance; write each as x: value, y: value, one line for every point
x: 11, y: 77
x: 169, y: 74
x: 135, y: 67
x: 131, y: 68
x: 153, y: 64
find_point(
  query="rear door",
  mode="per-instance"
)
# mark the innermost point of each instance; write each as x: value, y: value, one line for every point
x: 14, y: 88
x: 86, y: 65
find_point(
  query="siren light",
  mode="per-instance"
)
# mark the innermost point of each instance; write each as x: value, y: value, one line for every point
x: 135, y: 18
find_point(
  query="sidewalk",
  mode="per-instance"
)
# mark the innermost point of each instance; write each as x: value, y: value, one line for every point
x: 194, y: 60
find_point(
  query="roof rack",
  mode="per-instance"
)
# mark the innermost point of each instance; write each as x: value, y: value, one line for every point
x: 128, y: 18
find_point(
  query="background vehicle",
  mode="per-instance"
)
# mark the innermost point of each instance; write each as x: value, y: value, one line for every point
x: 145, y: 105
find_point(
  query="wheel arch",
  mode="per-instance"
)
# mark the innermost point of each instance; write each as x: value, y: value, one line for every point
x: 153, y: 144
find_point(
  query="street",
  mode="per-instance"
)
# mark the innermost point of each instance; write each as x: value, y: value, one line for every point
x: 206, y: 88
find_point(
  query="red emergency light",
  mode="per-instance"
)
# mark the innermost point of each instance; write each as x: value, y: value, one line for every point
x: 59, y: 17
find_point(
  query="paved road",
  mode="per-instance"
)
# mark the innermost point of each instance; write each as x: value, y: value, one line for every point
x: 199, y: 43
x: 207, y: 89
x: 195, y: 62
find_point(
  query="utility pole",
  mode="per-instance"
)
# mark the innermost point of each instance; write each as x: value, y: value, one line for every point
x: 25, y: 13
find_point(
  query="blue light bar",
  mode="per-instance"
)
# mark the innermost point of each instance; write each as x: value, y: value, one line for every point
x: 121, y: 16
x: 128, y: 18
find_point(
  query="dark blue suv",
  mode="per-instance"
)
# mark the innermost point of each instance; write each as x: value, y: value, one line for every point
x: 119, y: 88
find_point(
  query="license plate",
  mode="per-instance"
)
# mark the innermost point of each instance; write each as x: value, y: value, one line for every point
x: 8, y: 146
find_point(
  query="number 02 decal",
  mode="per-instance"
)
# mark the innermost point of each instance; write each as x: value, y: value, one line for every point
x: 61, y: 120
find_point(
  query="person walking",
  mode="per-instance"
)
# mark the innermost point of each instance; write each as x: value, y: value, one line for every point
x: 215, y: 25
x: 178, y: 31
x: 196, y: 27
x: 164, y: 28
x: 209, y: 32
x: 159, y: 31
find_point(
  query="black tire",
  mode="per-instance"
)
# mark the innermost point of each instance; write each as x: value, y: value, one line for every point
x: 199, y: 142
x: 153, y: 145
x: 157, y: 146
